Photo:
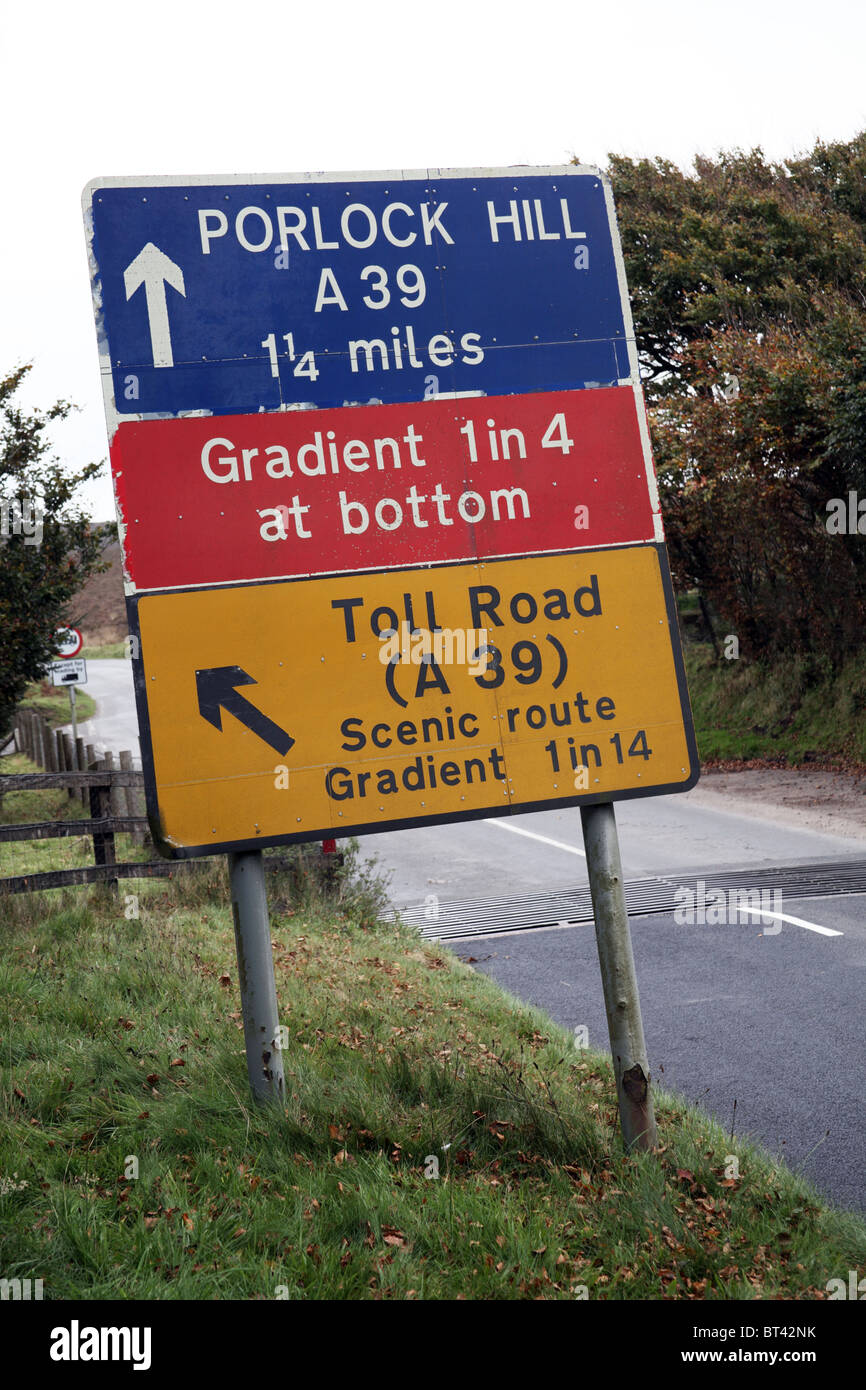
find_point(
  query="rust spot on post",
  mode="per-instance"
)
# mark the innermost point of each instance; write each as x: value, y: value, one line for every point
x: 635, y: 1084
x: 636, y: 1113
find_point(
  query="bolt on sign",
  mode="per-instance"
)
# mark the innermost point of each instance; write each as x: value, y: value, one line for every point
x: 392, y: 544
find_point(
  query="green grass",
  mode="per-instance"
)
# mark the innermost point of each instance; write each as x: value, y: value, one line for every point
x: 53, y: 704
x: 796, y: 711
x: 122, y: 1040
x: 114, y: 650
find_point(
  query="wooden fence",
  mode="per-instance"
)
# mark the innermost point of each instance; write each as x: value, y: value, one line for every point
x: 55, y: 751
x: 112, y: 794
x: 114, y: 798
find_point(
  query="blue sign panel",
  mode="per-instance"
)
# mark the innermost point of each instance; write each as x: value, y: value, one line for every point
x: 236, y: 297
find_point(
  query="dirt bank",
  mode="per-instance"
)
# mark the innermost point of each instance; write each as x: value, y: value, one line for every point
x: 829, y: 801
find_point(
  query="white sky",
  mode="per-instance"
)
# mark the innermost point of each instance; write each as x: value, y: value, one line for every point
x: 210, y: 88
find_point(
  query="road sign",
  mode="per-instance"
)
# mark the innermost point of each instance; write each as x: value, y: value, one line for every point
x: 68, y: 641
x: 391, y: 536
x: 315, y: 492
x: 340, y: 406
x: 274, y: 711
x: 72, y: 671
x: 240, y: 295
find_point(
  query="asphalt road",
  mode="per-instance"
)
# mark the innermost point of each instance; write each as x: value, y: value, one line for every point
x: 530, y: 854
x: 773, y: 1021
x: 114, y: 727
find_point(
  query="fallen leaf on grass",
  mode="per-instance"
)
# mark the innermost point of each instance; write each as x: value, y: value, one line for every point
x: 669, y: 1240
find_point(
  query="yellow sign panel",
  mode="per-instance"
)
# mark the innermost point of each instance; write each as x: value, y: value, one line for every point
x: 322, y: 707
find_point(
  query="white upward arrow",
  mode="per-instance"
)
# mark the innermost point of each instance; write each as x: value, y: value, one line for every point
x: 153, y: 269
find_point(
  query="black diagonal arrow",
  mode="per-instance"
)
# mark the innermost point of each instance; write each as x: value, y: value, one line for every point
x: 216, y: 692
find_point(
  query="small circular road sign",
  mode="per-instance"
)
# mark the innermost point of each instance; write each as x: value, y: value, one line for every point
x: 69, y: 641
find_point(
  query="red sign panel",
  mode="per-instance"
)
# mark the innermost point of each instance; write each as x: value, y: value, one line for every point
x: 234, y: 498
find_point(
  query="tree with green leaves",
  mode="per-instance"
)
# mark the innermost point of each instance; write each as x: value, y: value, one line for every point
x: 48, y: 547
x: 748, y: 286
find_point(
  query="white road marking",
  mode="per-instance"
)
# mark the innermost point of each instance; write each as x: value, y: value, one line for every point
x: 531, y: 835
x: 711, y: 999
x: 572, y: 849
x: 795, y: 921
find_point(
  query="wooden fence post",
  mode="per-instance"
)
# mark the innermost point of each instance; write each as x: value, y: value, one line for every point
x: 80, y: 765
x: 130, y: 797
x: 69, y: 762
x: 50, y: 750
x: 59, y: 753
x: 108, y: 764
x: 42, y: 733
x: 100, y: 809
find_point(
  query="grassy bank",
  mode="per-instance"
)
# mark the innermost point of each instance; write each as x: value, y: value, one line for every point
x: 115, y: 650
x: 52, y: 703
x: 796, y: 711
x: 437, y: 1140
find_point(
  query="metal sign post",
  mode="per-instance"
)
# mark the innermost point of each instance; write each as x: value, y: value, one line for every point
x: 70, y: 670
x: 621, y: 999
x: 256, y: 975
